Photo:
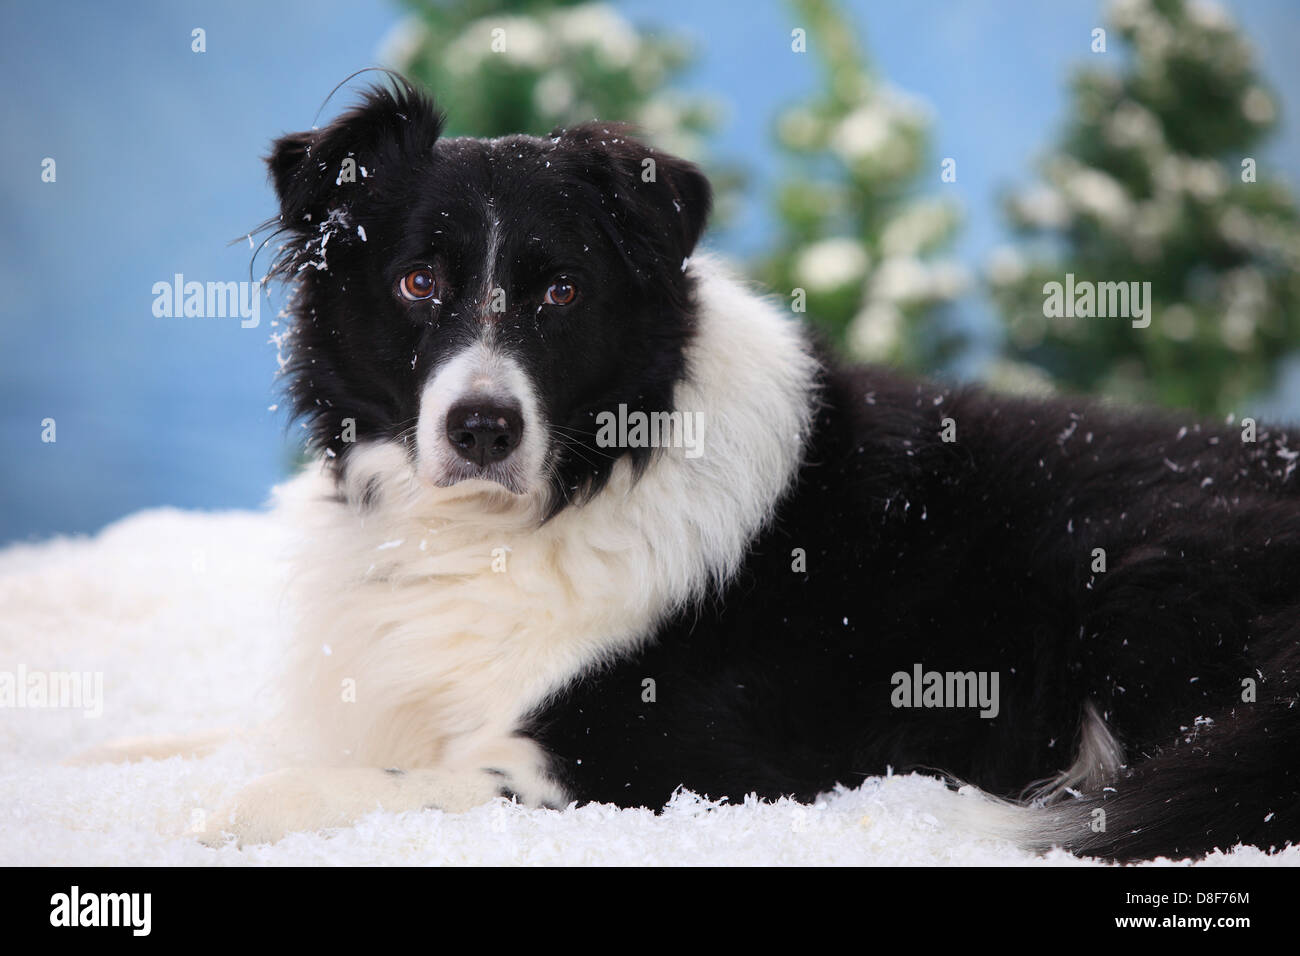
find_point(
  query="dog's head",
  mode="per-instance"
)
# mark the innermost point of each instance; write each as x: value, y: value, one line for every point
x: 482, y: 302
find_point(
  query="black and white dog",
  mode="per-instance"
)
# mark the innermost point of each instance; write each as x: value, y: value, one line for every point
x: 594, y: 521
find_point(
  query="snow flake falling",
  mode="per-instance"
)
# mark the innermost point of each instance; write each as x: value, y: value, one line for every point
x: 335, y: 223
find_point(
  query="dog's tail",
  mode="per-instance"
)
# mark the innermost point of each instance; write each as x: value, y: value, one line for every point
x: 1230, y: 779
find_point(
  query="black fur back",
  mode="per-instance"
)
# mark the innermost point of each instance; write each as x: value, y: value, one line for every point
x: 977, y: 555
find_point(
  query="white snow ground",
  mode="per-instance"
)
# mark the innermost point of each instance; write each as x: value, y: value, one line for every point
x: 181, y: 612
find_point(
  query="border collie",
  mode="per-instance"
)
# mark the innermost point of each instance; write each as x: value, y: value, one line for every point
x: 594, y: 522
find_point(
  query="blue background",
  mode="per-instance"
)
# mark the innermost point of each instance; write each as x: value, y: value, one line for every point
x: 159, y: 166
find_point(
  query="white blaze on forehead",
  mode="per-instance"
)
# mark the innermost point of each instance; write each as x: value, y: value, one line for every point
x: 493, y: 244
x: 490, y: 257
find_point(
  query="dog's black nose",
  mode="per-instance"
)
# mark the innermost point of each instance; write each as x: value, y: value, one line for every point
x: 484, y: 432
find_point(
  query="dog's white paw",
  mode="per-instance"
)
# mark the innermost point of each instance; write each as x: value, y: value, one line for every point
x: 304, y: 800
x: 276, y: 804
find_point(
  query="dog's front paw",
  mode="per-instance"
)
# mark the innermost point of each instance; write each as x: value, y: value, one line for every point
x: 277, y: 804
x: 294, y: 800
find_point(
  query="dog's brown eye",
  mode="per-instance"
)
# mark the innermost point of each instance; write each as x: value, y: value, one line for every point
x: 561, y: 292
x: 418, y: 285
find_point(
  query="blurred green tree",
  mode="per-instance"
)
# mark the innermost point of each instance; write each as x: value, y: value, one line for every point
x: 1156, y: 179
x: 855, y: 234
x: 527, y: 66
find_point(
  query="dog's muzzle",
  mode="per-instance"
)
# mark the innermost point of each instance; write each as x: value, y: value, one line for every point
x: 480, y: 421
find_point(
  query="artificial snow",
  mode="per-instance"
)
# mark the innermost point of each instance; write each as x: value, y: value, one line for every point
x: 183, y: 614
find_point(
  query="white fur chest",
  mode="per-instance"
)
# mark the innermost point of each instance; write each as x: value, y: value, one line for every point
x: 426, y: 634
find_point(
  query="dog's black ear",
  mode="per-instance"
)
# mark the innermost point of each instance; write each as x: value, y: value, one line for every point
x: 668, y: 198
x: 320, y: 169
